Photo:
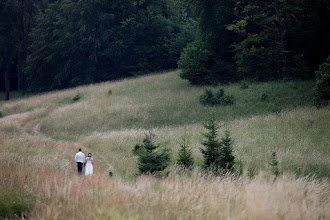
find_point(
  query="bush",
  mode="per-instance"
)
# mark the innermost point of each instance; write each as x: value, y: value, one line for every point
x: 264, y: 97
x: 13, y: 204
x: 76, y: 98
x: 151, y: 160
x: 195, y: 62
x: 1, y: 115
x: 200, y: 65
x: 322, y: 94
x: 218, y: 98
x: 244, y: 85
x: 110, y: 92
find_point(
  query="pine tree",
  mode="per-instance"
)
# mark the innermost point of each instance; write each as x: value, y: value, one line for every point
x: 151, y: 160
x: 274, y: 164
x: 212, y: 146
x: 227, y: 160
x: 185, y: 157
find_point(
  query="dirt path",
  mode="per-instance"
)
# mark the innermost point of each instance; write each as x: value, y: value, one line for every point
x: 69, y: 148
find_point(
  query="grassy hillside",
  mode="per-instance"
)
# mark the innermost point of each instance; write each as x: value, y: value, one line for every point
x: 39, y: 136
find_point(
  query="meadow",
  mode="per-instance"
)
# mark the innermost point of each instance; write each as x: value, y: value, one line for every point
x: 40, y: 134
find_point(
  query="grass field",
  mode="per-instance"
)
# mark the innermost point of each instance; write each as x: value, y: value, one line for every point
x: 40, y: 134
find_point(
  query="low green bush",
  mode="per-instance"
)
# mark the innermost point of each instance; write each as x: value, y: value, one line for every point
x: 1, y: 115
x: 15, y: 204
x: 76, y: 98
x: 322, y: 93
x: 217, y: 98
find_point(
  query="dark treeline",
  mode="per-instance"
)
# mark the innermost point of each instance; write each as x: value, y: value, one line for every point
x: 55, y: 44
x: 257, y: 40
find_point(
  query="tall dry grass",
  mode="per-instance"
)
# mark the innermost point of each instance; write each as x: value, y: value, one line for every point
x: 42, y: 168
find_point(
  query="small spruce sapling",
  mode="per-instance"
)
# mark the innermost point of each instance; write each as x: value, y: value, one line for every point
x: 211, y: 152
x: 150, y: 159
x: 227, y: 159
x: 274, y: 164
x: 185, y: 158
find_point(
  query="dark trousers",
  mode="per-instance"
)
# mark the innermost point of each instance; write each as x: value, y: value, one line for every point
x: 80, y: 166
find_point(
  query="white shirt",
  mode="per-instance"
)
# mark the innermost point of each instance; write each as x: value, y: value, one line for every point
x: 80, y: 157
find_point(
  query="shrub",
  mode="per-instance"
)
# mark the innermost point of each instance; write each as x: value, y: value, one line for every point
x: 217, y: 98
x: 244, y: 85
x: 76, y: 97
x: 13, y: 203
x: 201, y: 65
x: 185, y: 158
x: 195, y: 62
x: 110, y: 92
x: 264, y: 97
x: 150, y: 159
x: 1, y: 115
x: 322, y: 93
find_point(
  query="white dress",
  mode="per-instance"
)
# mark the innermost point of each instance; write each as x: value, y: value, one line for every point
x: 89, y: 166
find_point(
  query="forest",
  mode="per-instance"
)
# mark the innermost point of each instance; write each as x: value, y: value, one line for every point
x: 49, y: 45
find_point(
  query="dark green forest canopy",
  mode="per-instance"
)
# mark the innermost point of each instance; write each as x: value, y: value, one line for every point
x: 56, y: 44
x: 258, y: 40
x: 71, y: 42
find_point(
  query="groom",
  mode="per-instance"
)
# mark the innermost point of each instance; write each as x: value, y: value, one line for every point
x: 80, y: 159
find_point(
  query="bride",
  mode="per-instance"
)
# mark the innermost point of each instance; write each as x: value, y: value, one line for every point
x: 89, y: 165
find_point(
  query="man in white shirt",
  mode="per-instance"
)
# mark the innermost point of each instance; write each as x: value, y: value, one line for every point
x: 80, y: 159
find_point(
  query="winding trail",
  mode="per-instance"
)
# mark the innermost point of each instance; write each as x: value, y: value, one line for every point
x: 69, y: 148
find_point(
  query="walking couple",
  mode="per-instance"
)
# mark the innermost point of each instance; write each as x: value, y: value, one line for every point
x: 81, y: 160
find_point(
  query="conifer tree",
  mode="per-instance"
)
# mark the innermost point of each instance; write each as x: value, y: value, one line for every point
x: 151, y: 160
x: 185, y: 157
x: 227, y: 160
x: 212, y: 146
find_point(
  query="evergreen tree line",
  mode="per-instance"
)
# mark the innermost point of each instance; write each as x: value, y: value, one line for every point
x: 257, y: 40
x: 55, y: 44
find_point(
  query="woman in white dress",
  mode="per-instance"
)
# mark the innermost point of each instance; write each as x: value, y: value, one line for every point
x: 89, y: 165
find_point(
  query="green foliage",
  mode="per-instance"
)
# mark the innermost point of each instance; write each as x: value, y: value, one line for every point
x: 264, y: 97
x: 1, y: 115
x: 227, y: 159
x: 185, y: 157
x: 110, y: 92
x: 14, y: 203
x: 322, y: 96
x: 82, y: 42
x: 101, y: 214
x: 252, y: 171
x: 244, y: 85
x: 274, y: 164
x: 77, y: 97
x: 217, y: 98
x: 150, y: 158
x: 212, y: 145
x: 194, y: 62
x: 217, y: 154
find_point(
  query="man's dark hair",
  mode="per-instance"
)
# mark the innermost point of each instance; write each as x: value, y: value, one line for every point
x: 79, y: 149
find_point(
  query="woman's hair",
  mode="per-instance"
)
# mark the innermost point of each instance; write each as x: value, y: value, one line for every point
x: 89, y: 154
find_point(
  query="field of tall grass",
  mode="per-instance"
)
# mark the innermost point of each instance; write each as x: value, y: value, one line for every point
x: 39, y: 136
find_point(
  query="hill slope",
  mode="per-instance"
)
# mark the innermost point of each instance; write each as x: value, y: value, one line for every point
x: 39, y: 136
